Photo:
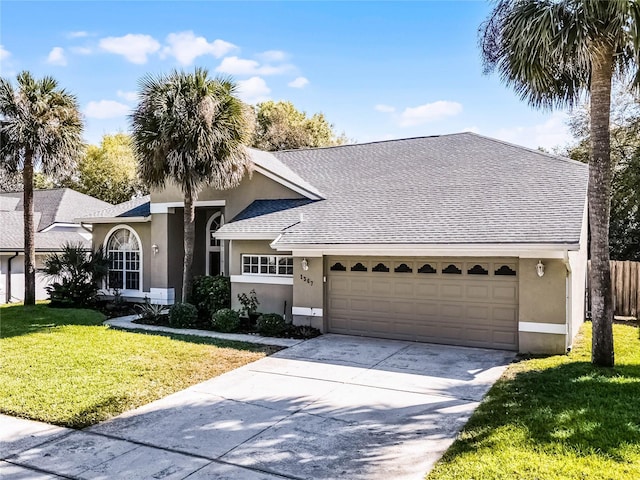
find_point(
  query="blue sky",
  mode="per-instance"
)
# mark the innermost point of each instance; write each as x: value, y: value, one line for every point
x: 377, y: 70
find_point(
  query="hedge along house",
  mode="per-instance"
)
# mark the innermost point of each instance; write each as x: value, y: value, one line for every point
x: 457, y: 239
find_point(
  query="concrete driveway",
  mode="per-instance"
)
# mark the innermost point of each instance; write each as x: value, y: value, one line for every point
x: 332, y: 407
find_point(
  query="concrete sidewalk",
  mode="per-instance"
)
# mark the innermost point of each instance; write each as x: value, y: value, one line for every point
x: 332, y: 407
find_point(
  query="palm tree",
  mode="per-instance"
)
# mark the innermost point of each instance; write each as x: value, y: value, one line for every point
x: 555, y: 53
x: 40, y: 127
x: 191, y: 130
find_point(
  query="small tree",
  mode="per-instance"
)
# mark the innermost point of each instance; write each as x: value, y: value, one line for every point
x: 78, y: 272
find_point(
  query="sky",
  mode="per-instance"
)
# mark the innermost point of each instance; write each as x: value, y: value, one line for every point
x: 377, y: 70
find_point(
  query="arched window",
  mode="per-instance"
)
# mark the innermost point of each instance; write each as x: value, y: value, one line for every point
x: 123, y: 250
x: 215, y: 247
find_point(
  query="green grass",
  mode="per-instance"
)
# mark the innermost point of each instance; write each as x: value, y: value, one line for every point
x: 556, y: 418
x: 62, y: 366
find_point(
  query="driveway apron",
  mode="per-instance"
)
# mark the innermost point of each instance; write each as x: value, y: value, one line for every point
x: 332, y: 407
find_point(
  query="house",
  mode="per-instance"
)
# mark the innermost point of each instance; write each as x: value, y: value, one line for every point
x: 457, y: 239
x: 55, y: 211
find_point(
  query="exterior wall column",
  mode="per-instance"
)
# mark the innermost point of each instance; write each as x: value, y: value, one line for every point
x: 159, y: 288
x: 308, y: 292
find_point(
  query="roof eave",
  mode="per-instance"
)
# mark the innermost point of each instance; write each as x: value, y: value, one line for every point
x: 92, y: 220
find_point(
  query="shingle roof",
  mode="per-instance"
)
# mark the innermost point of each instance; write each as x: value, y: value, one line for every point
x: 450, y: 189
x: 12, y: 234
x: 269, y: 161
x: 136, y: 207
x: 58, y: 205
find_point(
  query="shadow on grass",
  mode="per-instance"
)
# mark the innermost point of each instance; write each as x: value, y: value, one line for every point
x: 16, y: 320
x: 216, y: 342
x: 575, y: 405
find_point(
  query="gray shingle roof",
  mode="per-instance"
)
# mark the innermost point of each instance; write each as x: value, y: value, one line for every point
x: 58, y: 205
x: 136, y: 207
x: 269, y: 161
x: 450, y: 189
x: 12, y: 234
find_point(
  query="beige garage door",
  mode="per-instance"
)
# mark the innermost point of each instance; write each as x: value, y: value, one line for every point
x: 470, y: 302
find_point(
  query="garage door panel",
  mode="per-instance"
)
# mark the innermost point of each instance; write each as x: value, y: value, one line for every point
x: 475, y: 307
x: 451, y: 291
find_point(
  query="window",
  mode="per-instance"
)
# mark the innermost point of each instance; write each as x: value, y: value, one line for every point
x: 267, y: 265
x: 123, y: 250
x: 215, y: 247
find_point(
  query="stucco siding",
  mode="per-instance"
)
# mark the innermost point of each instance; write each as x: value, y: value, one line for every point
x: 17, y: 278
x: 272, y: 298
x: 236, y: 199
x: 100, y: 232
x: 578, y: 264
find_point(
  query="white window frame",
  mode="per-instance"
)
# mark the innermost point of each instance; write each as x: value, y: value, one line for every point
x: 107, y: 237
x: 216, y: 248
x: 259, y: 256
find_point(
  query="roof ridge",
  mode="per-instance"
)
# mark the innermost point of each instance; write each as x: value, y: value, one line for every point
x: 364, y: 143
x: 532, y: 150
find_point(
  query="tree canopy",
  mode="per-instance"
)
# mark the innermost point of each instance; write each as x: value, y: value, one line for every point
x: 280, y: 126
x: 109, y: 171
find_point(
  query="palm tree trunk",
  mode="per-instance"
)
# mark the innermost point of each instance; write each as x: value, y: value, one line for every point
x: 189, y: 241
x: 29, y: 233
x: 599, y: 195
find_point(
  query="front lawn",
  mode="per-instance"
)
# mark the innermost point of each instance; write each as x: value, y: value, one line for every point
x: 556, y: 418
x: 63, y: 366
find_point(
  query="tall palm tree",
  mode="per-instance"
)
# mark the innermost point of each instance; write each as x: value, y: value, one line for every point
x: 190, y: 129
x: 555, y: 53
x: 40, y: 127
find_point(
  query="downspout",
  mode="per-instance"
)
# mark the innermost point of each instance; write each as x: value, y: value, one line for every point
x: 8, y: 295
x: 90, y: 230
x: 568, y: 306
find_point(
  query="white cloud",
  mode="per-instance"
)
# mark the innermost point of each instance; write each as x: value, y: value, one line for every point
x: 81, y: 50
x: 242, y: 66
x: 381, y: 107
x: 272, y: 56
x: 299, y: 82
x: 128, y: 96
x: 4, y: 53
x: 553, y: 132
x: 56, y: 57
x: 134, y: 47
x: 412, y: 116
x: 253, y: 90
x: 106, y: 109
x: 186, y: 47
x: 78, y: 34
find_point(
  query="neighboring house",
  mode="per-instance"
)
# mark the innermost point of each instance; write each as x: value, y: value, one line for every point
x: 55, y: 211
x: 436, y: 239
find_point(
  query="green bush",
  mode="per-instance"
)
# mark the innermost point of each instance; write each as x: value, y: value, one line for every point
x: 226, y: 320
x: 210, y: 294
x: 183, y: 315
x: 271, y: 325
x: 77, y: 272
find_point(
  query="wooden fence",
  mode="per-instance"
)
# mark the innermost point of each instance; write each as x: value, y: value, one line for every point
x: 625, y: 281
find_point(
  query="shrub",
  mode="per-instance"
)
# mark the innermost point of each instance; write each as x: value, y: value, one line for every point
x: 78, y: 272
x: 183, y: 315
x: 150, y: 312
x: 226, y: 320
x: 249, y: 303
x: 210, y: 294
x: 271, y: 325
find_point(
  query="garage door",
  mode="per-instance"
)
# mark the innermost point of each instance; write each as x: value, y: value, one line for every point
x: 471, y: 302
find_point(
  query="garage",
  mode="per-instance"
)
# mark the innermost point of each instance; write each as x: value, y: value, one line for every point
x: 456, y: 301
